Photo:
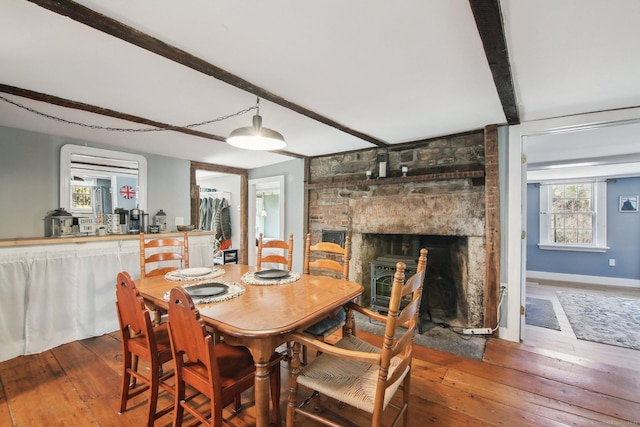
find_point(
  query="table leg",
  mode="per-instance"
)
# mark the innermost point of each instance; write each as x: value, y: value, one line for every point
x: 261, y: 350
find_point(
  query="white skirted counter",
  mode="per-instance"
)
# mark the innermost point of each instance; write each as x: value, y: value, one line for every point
x: 57, y: 290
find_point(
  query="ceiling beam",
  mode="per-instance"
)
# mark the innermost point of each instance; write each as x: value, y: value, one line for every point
x: 62, y: 102
x: 491, y: 29
x: 84, y: 15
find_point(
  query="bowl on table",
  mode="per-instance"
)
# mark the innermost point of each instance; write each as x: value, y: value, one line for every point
x: 185, y: 227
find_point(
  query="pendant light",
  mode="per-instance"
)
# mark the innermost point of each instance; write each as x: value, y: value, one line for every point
x: 256, y: 137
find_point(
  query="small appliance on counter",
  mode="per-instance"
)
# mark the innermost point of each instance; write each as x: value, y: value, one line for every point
x: 123, y: 220
x: 58, y: 223
x: 136, y: 221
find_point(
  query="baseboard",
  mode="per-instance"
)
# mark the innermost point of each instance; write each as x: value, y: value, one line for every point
x: 579, y: 278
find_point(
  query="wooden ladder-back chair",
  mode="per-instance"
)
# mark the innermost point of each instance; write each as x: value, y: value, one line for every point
x: 219, y: 371
x: 358, y: 373
x: 285, y: 260
x: 327, y: 257
x: 140, y: 340
x: 155, y: 253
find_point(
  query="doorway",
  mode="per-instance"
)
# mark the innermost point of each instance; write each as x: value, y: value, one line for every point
x: 238, y: 206
x: 266, y: 211
x: 515, y: 257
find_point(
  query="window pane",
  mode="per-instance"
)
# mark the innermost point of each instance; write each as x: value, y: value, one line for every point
x: 81, y: 197
x: 585, y: 236
x: 570, y: 191
x: 571, y: 209
x: 571, y: 221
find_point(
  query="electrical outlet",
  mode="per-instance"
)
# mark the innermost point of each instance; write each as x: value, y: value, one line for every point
x: 477, y: 331
x: 612, y: 262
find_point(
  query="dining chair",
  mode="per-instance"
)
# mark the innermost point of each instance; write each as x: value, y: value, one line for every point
x: 161, y: 255
x: 140, y: 340
x: 276, y: 258
x: 219, y: 371
x: 357, y: 373
x: 332, y: 259
x: 328, y: 257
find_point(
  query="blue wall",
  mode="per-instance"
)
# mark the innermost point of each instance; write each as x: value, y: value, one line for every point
x: 623, y: 237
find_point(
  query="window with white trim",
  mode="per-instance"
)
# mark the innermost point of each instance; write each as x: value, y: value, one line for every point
x: 573, y: 216
x: 82, y: 195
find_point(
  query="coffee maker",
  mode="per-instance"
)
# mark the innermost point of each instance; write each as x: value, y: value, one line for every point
x: 123, y: 217
x: 136, y: 221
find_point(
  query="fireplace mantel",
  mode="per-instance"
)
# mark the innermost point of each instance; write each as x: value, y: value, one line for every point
x: 453, y: 214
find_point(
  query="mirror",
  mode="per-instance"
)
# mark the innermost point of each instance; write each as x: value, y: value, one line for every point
x: 94, y: 182
x: 238, y: 199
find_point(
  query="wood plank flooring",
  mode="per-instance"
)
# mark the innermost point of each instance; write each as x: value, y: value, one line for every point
x: 564, y: 343
x: 77, y: 384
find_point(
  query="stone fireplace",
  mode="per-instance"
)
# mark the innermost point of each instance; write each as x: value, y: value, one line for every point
x: 441, y: 205
x: 450, y: 227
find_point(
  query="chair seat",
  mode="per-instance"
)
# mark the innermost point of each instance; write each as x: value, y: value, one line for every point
x: 349, y: 381
x: 328, y: 325
x: 235, y: 365
x: 138, y: 344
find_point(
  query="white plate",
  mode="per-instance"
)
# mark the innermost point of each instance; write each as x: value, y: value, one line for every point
x: 194, y: 272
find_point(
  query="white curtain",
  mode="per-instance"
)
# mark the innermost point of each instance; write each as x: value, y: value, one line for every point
x: 54, y: 294
x: 13, y: 273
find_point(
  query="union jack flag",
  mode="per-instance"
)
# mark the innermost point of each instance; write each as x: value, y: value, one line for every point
x: 127, y: 192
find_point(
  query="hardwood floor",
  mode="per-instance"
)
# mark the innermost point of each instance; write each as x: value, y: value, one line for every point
x: 564, y: 342
x: 77, y: 384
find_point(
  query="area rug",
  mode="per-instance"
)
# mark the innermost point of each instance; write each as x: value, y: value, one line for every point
x: 540, y: 313
x: 603, y: 319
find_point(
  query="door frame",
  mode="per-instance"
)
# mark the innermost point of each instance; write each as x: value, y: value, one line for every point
x: 254, y: 186
x: 515, y: 253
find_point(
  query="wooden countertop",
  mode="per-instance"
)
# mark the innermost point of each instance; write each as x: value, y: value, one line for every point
x: 31, y: 241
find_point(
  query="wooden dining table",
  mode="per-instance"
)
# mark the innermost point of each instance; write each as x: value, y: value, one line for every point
x: 261, y: 318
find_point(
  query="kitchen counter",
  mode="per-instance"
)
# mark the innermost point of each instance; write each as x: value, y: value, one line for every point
x: 57, y: 290
x: 30, y: 241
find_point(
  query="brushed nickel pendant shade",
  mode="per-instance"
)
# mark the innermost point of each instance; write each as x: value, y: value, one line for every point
x: 256, y: 137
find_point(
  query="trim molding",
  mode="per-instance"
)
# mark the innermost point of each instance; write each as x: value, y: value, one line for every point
x: 579, y: 278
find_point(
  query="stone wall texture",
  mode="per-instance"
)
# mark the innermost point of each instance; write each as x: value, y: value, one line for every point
x: 439, y: 196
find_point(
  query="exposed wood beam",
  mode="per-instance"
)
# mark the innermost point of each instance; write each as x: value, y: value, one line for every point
x: 117, y: 29
x: 54, y: 100
x: 489, y: 22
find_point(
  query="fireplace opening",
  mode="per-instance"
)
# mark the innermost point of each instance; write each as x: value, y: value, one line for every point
x: 444, y: 298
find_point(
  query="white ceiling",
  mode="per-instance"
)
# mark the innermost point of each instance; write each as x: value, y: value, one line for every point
x: 395, y: 71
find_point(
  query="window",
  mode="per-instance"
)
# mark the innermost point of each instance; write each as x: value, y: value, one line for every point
x: 81, y: 197
x: 573, y: 216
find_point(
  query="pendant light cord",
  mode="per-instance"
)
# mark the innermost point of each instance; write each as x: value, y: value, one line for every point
x: 115, y: 129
